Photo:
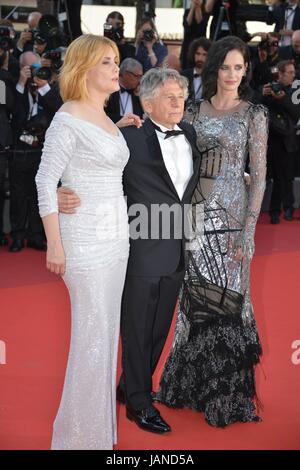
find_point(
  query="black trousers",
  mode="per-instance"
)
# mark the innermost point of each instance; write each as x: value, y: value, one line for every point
x: 3, y: 161
x: 283, y: 170
x: 147, y: 310
x: 24, y: 212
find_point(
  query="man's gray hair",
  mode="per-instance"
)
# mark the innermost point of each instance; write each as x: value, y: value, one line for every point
x: 130, y: 65
x: 156, y: 77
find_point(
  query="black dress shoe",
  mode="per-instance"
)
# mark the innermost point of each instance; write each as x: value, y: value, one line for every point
x: 288, y: 214
x: 3, y: 240
x: 37, y: 245
x: 120, y: 395
x: 275, y: 219
x: 148, y: 419
x: 17, y: 245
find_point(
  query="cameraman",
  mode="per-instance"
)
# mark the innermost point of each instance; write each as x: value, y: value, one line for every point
x: 114, y: 30
x: 282, y: 144
x: 293, y: 52
x: 36, y: 102
x: 150, y: 50
x: 286, y: 17
x: 26, y: 39
x: 267, y: 57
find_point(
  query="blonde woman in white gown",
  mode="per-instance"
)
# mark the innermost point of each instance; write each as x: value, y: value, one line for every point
x: 89, y: 248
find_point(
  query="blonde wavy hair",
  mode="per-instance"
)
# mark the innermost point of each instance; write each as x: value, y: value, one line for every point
x: 82, y: 55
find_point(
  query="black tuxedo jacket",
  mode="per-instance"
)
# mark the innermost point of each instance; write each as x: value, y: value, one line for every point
x: 147, y: 182
x: 113, y: 107
x: 277, y: 16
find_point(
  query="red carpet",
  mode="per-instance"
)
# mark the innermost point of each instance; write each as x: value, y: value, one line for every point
x: 34, y: 335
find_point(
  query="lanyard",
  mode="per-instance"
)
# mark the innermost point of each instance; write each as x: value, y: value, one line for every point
x: 123, y: 108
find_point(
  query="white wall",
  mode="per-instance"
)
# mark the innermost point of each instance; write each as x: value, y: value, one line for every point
x: 168, y: 21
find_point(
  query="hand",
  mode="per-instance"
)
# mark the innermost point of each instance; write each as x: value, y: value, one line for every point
x: 267, y: 90
x: 239, y: 254
x: 130, y: 119
x: 67, y: 200
x: 286, y: 32
x: 56, y: 260
x: 46, y: 62
x: 25, y: 74
x: 197, y: 3
x: 262, y: 55
x: 39, y: 82
x: 25, y: 36
x: 261, y: 35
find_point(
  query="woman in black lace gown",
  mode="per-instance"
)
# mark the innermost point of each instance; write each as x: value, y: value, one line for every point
x: 216, y: 346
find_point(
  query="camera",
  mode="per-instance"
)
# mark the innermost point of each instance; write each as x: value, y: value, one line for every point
x: 266, y: 44
x: 148, y: 35
x: 276, y: 87
x: 6, y: 38
x: 55, y: 55
x: 116, y: 34
x: 34, y: 130
x: 44, y: 73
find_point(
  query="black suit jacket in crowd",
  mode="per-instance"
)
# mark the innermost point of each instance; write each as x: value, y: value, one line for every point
x: 147, y: 181
x: 113, y: 106
x: 277, y: 16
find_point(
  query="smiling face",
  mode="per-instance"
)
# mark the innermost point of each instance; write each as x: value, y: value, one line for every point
x: 104, y: 76
x: 168, y: 104
x: 231, y: 72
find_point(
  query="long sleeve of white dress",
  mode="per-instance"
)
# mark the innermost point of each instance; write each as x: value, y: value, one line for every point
x: 58, y: 149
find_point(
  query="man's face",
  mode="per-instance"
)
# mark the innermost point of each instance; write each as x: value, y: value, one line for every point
x: 287, y: 77
x: 273, y: 45
x: 168, y: 105
x: 296, y: 45
x: 131, y: 80
x: 200, y: 58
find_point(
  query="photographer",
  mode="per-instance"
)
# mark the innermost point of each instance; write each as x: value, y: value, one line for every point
x: 282, y: 144
x: 286, y: 17
x: 267, y: 57
x: 114, y: 30
x: 150, y: 50
x: 293, y: 52
x: 26, y: 39
x: 36, y: 102
x: 195, y: 21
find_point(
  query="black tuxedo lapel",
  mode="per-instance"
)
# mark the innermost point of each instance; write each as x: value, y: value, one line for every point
x: 156, y: 154
x: 136, y: 106
x: 296, y: 20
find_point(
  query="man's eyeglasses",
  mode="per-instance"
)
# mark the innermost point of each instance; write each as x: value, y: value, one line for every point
x: 135, y: 75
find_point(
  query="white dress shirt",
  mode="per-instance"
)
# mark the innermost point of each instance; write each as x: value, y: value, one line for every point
x: 125, y: 103
x: 33, y: 105
x: 289, y: 18
x: 178, y: 158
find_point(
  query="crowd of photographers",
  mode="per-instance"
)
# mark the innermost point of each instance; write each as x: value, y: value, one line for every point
x: 29, y: 98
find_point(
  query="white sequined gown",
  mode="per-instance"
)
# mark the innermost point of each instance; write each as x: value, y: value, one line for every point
x: 90, y: 161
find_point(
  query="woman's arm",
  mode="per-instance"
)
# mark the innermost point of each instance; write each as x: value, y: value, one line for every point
x: 58, y: 148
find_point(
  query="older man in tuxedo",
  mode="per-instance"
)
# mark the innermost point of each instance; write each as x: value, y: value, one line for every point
x: 162, y: 171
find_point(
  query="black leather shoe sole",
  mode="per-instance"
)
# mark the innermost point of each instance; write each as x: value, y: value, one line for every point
x: 16, y: 246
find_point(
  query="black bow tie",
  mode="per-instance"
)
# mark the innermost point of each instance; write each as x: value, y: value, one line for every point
x: 172, y: 133
x: 197, y: 75
x: 168, y: 134
x: 122, y: 90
